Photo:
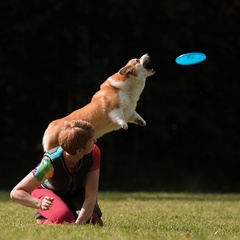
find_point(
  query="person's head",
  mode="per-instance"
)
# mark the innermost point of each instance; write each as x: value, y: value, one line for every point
x: 76, y: 135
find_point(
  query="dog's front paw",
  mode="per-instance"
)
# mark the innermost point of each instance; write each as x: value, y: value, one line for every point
x: 137, y: 119
x: 123, y: 124
x: 140, y: 122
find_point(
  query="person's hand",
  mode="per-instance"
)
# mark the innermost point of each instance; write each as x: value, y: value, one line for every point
x: 46, y: 203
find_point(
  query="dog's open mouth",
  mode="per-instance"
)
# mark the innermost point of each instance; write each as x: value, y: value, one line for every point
x: 146, y: 63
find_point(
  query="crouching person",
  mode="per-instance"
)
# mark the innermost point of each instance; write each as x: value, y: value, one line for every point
x: 64, y: 185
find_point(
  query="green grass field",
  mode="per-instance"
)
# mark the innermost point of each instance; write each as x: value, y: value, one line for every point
x: 139, y: 215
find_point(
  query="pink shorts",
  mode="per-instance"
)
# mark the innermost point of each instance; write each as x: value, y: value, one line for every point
x: 60, y: 211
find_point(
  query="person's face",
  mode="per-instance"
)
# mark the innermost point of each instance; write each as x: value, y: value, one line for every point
x: 89, y: 145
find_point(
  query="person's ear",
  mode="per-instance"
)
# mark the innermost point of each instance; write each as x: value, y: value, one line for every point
x: 78, y: 151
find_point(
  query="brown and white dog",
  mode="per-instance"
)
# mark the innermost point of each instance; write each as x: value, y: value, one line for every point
x: 113, y: 106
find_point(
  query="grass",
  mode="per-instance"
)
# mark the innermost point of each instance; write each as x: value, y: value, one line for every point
x: 136, y: 216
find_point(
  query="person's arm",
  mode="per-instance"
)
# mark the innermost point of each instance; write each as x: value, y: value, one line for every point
x: 21, y: 193
x: 91, y: 192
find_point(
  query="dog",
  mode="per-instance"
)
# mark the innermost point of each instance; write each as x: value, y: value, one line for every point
x: 112, y: 107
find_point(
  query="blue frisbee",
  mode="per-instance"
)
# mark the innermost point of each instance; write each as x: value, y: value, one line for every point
x: 190, y: 58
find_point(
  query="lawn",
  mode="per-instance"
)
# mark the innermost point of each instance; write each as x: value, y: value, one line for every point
x: 137, y: 215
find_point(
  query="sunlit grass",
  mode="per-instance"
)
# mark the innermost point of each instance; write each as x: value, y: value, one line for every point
x: 139, y: 215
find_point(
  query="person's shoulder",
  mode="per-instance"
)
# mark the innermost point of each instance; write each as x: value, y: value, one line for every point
x: 96, y: 156
x: 54, y: 153
x: 96, y: 149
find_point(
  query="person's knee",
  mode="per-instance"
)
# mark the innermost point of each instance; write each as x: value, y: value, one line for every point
x: 59, y: 217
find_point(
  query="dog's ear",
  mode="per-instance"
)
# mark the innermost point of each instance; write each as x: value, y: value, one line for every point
x: 125, y: 70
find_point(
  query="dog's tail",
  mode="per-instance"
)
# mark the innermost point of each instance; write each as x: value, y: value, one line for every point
x: 50, y: 137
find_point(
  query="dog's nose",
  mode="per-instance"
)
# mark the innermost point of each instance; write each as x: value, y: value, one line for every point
x: 145, y: 55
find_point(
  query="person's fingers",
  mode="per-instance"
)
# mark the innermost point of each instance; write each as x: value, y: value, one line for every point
x: 47, y: 203
x: 49, y: 198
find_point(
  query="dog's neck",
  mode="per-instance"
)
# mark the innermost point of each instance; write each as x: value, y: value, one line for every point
x: 131, y: 85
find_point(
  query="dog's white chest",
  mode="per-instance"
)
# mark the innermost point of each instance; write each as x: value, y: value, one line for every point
x: 127, y: 104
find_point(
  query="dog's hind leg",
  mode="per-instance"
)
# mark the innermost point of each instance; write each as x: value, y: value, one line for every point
x: 50, y: 137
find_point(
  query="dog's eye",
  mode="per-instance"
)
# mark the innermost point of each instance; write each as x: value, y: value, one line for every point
x: 137, y: 61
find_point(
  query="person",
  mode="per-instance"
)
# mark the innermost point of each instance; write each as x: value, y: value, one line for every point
x: 64, y: 185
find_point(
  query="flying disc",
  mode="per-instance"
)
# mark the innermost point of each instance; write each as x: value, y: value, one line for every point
x: 190, y: 58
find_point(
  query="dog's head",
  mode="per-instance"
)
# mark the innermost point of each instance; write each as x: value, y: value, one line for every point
x: 137, y: 67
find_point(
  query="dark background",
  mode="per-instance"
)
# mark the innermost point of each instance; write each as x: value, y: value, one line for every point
x: 55, y: 54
